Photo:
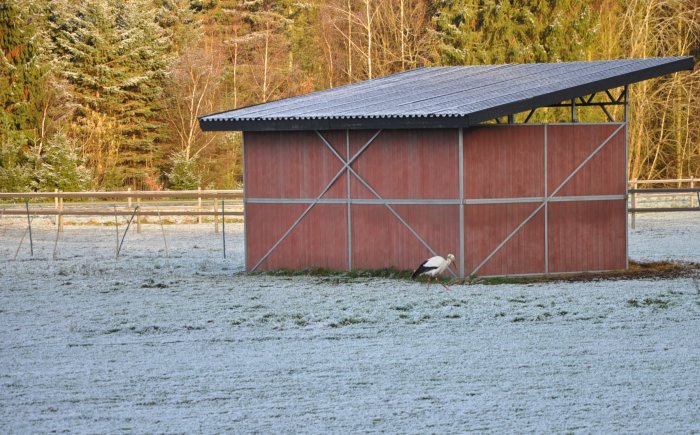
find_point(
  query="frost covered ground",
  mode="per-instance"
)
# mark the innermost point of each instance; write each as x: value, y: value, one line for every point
x: 185, y: 343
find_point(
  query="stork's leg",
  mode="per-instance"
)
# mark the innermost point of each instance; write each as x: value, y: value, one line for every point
x: 446, y: 287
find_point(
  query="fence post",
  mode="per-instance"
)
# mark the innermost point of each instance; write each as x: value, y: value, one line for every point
x: 692, y: 196
x: 129, y: 198
x: 199, y: 204
x: 138, y: 215
x: 216, y: 216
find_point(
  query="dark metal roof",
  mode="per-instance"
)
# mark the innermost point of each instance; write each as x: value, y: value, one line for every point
x: 455, y: 96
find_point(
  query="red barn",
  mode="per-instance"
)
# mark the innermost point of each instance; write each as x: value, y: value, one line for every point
x: 386, y: 172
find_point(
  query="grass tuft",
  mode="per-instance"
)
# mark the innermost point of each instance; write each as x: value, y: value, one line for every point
x: 347, y: 321
x: 648, y: 302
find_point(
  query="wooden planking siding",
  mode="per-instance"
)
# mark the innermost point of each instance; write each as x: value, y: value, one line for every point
x: 264, y: 225
x: 380, y: 240
x: 499, y: 162
x: 358, y: 138
x: 336, y: 138
x: 410, y: 164
x: 320, y: 239
x: 290, y: 165
x: 504, y: 162
x: 487, y: 225
x: 569, y: 145
x: 587, y: 236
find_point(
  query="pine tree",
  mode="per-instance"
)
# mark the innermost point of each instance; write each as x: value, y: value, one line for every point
x: 115, y: 56
x: 305, y: 47
x: 22, y: 80
x: 22, y: 72
x: 185, y: 173
x: 60, y: 167
x: 502, y: 31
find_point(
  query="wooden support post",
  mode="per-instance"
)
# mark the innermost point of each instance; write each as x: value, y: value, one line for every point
x: 138, y: 215
x: 216, y: 216
x: 55, y: 199
x: 199, y: 204
x: 128, y: 200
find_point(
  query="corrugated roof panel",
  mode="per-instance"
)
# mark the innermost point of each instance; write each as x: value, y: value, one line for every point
x: 527, y: 87
x: 443, y: 96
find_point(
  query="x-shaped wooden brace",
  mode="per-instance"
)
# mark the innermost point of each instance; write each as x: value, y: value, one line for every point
x: 346, y: 165
x: 350, y: 170
x: 547, y: 198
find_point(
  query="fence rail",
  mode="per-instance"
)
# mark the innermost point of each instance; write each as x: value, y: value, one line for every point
x: 635, y: 192
x: 233, y: 194
x: 122, y: 212
x: 235, y: 197
x: 691, y: 181
x: 216, y: 208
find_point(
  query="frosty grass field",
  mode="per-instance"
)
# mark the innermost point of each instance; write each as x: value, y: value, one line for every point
x: 187, y: 343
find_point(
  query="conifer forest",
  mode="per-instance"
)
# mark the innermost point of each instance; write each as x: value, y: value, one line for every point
x: 105, y: 94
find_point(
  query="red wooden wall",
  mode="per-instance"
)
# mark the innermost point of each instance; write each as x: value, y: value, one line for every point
x: 524, y: 211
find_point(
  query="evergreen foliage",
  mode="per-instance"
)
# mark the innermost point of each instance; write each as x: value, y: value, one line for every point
x: 21, y: 72
x: 15, y: 172
x: 115, y: 56
x: 60, y: 168
x: 494, y: 31
x: 22, y: 93
x: 106, y: 93
x: 184, y: 174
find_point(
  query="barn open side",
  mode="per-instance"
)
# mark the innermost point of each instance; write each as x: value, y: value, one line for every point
x: 384, y: 173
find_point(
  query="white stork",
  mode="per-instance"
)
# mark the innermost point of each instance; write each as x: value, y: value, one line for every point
x: 433, y: 267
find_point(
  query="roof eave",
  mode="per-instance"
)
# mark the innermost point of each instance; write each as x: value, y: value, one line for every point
x: 404, y: 122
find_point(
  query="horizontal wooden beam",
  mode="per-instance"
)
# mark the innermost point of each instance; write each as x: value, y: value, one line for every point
x: 666, y: 181
x: 220, y: 194
x: 670, y: 190
x: 122, y: 212
x: 662, y: 209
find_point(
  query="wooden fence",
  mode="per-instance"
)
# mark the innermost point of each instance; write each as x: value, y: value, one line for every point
x: 635, y: 192
x: 218, y: 204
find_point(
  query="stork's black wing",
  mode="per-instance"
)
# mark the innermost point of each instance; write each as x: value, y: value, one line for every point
x: 422, y: 269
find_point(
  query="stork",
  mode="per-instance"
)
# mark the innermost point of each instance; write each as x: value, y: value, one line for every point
x: 433, y: 267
